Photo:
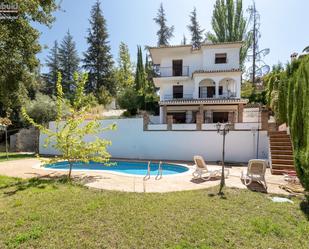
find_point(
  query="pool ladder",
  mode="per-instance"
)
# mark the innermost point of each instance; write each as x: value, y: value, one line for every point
x: 160, y: 171
x: 159, y: 174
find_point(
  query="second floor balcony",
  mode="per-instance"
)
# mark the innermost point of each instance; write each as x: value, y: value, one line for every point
x: 228, y: 95
x: 181, y: 71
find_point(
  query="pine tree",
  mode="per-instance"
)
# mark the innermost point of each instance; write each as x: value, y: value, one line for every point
x: 124, y: 72
x: 164, y: 33
x: 53, y: 64
x: 98, y: 60
x: 68, y: 61
x: 195, y: 29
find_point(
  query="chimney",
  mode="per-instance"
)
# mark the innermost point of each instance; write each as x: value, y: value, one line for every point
x: 294, y: 56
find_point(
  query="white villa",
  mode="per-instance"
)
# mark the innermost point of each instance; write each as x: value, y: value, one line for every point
x: 199, y: 85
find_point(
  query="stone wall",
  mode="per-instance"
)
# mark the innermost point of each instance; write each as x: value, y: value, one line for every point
x: 26, y: 140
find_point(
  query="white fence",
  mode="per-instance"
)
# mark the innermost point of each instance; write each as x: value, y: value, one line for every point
x: 130, y: 141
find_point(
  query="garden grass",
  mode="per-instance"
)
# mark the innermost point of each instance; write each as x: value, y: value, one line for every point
x: 57, y: 214
x: 14, y: 156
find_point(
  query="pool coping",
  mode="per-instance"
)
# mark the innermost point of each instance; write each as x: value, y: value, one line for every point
x: 188, y: 172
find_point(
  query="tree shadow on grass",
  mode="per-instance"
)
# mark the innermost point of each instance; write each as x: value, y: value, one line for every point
x: 42, y: 182
x: 304, y: 206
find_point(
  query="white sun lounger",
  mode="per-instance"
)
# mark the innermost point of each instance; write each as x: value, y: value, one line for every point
x: 201, y: 170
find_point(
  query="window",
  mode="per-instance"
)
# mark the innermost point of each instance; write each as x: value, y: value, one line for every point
x: 203, y: 92
x: 220, y: 90
x: 177, y: 67
x: 211, y: 91
x: 177, y: 92
x: 220, y: 58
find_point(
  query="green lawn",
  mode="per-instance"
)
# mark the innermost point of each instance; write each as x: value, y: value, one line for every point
x: 14, y: 156
x: 55, y: 214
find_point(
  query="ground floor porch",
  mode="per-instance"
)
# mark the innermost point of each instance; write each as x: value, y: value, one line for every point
x: 201, y: 111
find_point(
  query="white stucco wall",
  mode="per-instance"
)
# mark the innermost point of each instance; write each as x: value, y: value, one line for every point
x: 209, y: 58
x: 130, y: 141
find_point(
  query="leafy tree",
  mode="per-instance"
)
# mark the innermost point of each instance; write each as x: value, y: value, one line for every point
x: 42, y: 109
x: 128, y: 99
x: 164, y: 33
x: 195, y: 29
x: 19, y: 44
x: 69, y: 136
x: 68, y: 61
x: 151, y: 97
x: 53, y: 64
x: 98, y: 59
x: 124, y: 72
x: 229, y: 25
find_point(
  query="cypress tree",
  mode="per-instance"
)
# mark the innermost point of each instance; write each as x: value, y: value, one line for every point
x: 282, y: 98
x: 298, y: 111
x: 300, y: 126
x: 140, y: 72
x: 98, y: 60
x: 53, y: 64
x: 184, y: 40
x: 164, y: 33
x: 68, y: 61
x: 195, y: 29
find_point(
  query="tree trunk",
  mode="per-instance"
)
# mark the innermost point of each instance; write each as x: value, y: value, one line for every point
x: 70, y: 170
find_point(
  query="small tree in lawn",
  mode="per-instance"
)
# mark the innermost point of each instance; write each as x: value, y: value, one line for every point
x: 69, y: 136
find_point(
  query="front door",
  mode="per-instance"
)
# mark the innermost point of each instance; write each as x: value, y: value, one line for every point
x: 177, y: 67
x: 211, y: 91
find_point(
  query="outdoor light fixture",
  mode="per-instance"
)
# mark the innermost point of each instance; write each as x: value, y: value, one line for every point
x: 223, y: 129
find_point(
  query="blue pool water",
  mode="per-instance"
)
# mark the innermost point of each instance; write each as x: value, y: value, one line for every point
x: 132, y: 168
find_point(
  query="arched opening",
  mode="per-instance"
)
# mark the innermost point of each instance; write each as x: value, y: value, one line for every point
x: 207, y: 89
x: 228, y: 88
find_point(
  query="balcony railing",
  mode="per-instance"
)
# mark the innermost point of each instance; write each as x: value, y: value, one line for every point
x: 171, y: 97
x: 171, y: 71
x: 230, y: 95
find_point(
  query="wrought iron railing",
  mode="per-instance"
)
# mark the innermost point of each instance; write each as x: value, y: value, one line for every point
x: 171, y: 71
x: 171, y: 97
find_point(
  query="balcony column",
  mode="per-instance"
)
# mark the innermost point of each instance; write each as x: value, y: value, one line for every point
x: 201, y: 112
x: 163, y: 113
x: 240, y: 113
x: 217, y: 89
x: 188, y: 117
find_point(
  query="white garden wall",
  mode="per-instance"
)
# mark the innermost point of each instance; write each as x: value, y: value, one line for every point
x: 130, y: 141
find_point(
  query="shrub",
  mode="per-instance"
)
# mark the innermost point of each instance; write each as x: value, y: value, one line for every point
x: 42, y: 109
x: 129, y: 100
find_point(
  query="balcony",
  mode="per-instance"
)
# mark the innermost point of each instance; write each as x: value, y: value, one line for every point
x: 171, y: 71
x: 228, y: 95
x: 171, y: 97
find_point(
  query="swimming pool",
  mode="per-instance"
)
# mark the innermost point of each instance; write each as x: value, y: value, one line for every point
x: 125, y: 167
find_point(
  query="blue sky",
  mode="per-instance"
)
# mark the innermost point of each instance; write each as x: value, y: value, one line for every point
x: 283, y: 24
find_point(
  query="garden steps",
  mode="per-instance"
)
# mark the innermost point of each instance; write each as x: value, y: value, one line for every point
x: 281, y: 152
